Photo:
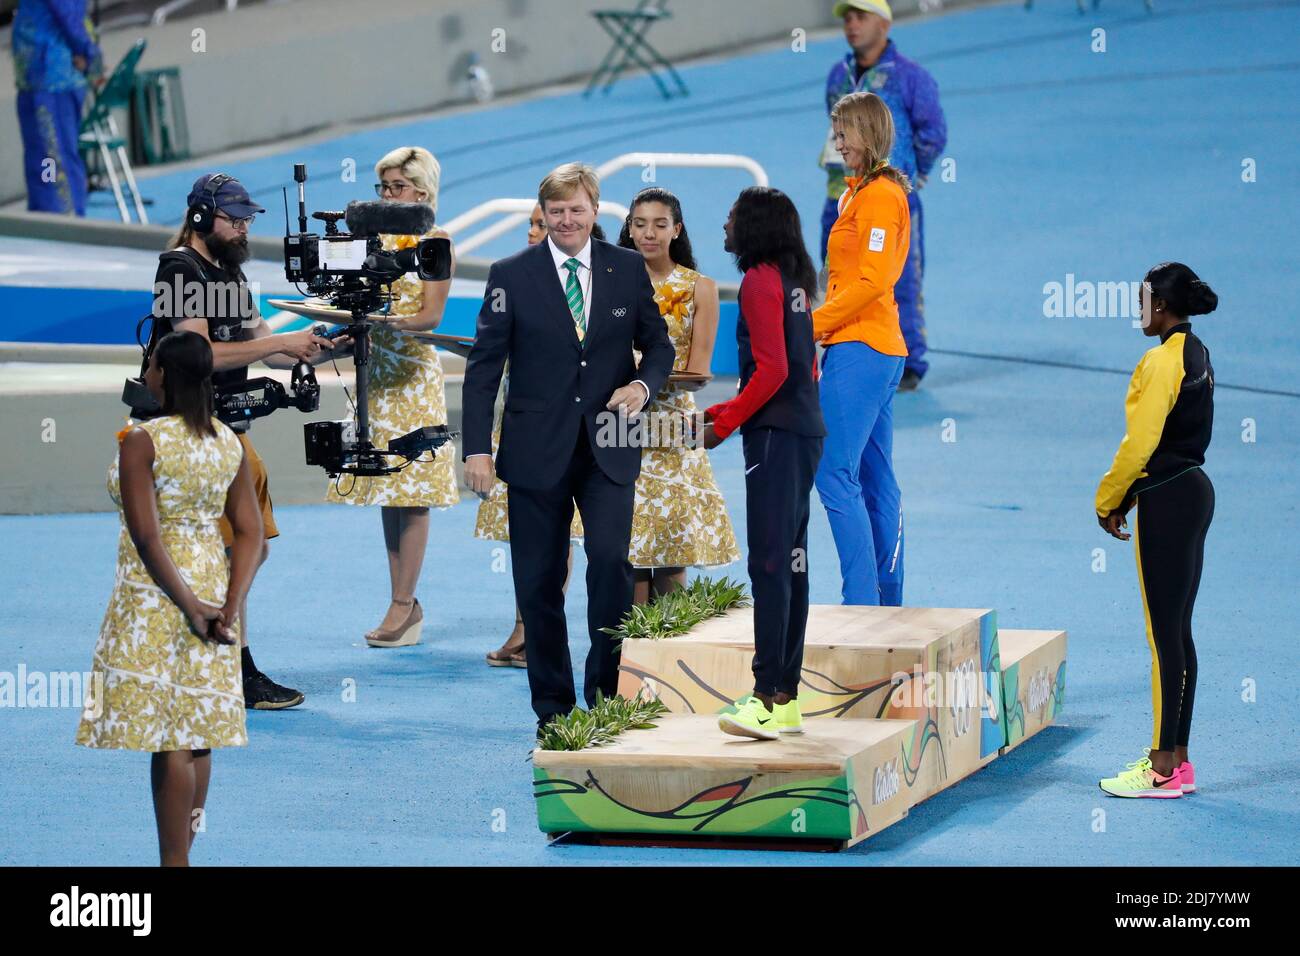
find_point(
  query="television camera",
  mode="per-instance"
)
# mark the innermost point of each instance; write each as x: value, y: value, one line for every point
x: 352, y: 272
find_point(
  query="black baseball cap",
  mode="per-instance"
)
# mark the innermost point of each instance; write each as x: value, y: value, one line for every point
x: 231, y: 197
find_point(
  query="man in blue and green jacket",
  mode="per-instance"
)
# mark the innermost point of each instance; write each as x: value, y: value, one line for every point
x: 54, y: 52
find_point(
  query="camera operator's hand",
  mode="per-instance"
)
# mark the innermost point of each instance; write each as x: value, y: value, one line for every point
x: 304, y: 346
x: 342, y: 347
x: 480, y: 473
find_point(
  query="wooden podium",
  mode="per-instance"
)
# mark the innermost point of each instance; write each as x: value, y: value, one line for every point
x: 919, y: 664
x: 1033, y: 681
x: 841, y: 783
x: 898, y: 704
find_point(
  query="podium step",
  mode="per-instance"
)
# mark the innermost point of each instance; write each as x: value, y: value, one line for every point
x: 937, y: 667
x: 1033, y: 681
x: 842, y: 780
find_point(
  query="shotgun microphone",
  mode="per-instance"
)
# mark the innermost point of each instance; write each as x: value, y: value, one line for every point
x: 376, y: 217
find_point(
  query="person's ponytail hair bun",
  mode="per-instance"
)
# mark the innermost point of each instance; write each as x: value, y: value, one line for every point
x: 1182, y: 289
x: 1201, y: 299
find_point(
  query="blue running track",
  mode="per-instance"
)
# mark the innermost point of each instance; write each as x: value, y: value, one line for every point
x: 1068, y: 163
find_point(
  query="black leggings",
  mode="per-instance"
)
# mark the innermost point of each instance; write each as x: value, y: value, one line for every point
x: 1169, y: 535
x: 779, y: 469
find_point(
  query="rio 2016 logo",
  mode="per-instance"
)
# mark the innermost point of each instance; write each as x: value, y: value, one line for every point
x: 885, y: 784
x: 965, y: 697
x: 1040, y: 691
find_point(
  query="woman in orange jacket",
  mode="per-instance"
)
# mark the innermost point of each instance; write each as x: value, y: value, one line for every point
x: 863, y: 363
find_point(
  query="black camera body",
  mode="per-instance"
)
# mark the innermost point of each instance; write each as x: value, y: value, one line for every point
x: 336, y: 261
x: 351, y: 270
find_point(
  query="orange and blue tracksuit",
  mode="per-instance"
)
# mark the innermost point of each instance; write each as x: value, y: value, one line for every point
x: 920, y: 134
x: 861, y: 368
x: 1170, y: 415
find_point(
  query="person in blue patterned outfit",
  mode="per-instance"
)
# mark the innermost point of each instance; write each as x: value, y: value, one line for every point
x: 874, y: 65
x: 54, y: 52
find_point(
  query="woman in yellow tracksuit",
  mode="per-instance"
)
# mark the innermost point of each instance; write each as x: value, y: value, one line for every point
x: 1170, y: 411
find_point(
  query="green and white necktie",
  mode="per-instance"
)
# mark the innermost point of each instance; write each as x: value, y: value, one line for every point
x: 573, y: 292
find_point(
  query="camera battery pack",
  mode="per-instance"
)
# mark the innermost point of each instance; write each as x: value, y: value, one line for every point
x: 329, y: 442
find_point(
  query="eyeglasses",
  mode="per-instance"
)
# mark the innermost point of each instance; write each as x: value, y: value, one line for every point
x: 244, y: 224
x: 395, y: 188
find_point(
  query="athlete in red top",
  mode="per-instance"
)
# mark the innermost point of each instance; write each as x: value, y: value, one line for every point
x: 762, y: 303
x: 780, y: 420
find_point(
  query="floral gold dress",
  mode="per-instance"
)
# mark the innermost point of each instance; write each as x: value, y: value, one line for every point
x: 154, y: 685
x: 680, y: 518
x: 406, y: 392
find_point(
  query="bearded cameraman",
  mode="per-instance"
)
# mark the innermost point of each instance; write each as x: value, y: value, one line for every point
x: 200, y: 287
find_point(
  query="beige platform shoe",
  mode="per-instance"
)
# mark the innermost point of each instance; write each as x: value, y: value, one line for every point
x: 407, y: 634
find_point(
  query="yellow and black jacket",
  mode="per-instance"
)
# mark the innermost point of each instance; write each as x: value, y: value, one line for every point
x: 1170, y: 413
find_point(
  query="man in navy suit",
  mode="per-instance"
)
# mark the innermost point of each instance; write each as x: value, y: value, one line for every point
x: 567, y: 314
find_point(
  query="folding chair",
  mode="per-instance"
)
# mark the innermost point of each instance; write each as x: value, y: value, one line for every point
x: 628, y: 28
x: 99, y: 133
x: 162, y: 133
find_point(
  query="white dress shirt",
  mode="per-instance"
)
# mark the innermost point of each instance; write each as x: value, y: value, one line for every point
x: 584, y: 274
x: 584, y: 282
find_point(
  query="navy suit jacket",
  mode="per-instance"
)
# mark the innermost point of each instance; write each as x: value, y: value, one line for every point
x: 557, y: 383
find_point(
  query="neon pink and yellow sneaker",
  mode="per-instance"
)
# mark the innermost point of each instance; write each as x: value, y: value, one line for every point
x: 1140, y: 780
x: 1188, y: 774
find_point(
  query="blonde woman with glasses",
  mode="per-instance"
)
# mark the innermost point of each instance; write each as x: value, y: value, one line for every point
x: 406, y: 392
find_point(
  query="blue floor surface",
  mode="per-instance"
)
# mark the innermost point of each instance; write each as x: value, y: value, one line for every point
x: 1068, y: 162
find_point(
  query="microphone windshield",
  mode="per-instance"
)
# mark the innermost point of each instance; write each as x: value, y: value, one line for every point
x: 376, y: 217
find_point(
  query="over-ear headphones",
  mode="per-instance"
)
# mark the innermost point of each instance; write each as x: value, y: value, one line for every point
x: 202, y: 215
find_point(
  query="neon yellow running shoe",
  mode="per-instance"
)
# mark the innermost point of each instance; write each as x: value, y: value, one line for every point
x: 788, y: 718
x: 1140, y: 780
x: 749, y: 717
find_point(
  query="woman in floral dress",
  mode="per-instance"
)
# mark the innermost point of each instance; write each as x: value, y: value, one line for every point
x: 406, y: 392
x: 166, y: 675
x: 680, y: 518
